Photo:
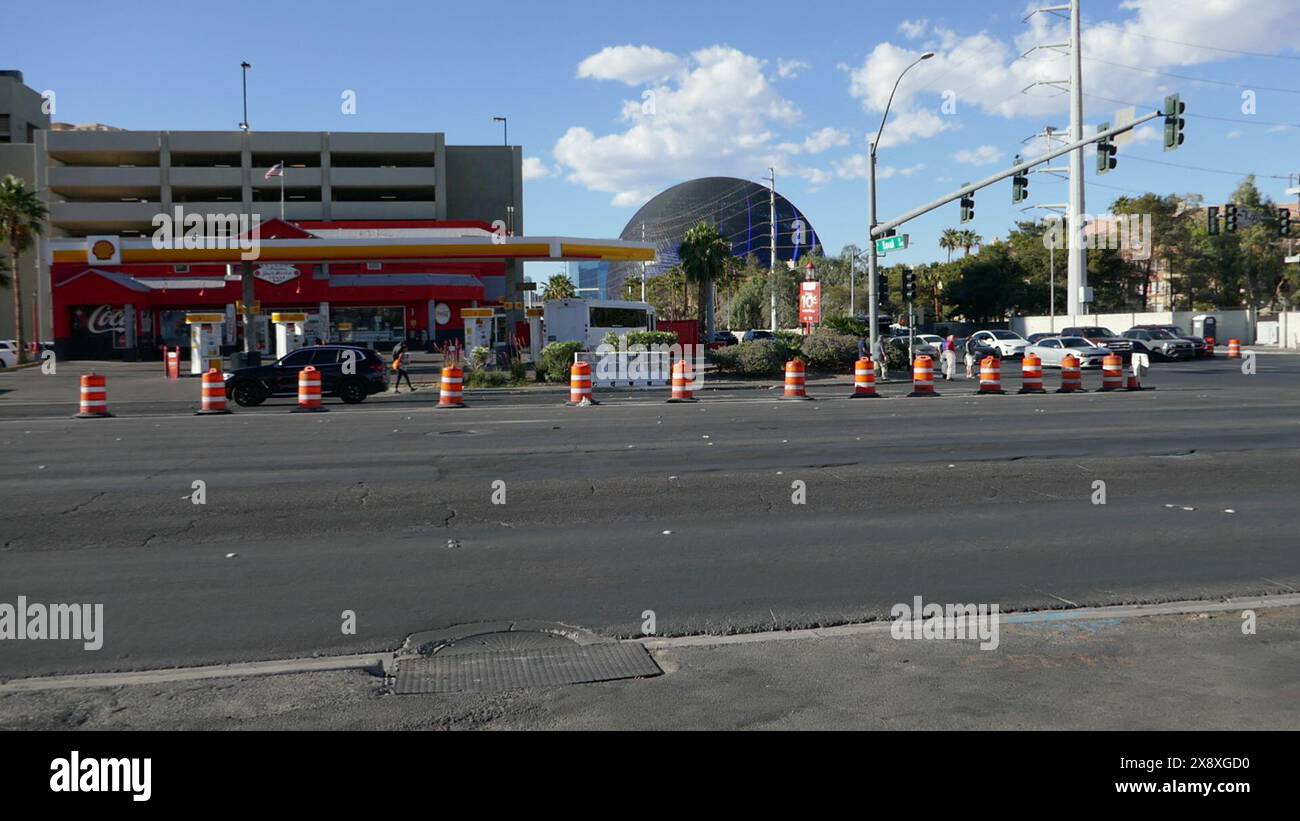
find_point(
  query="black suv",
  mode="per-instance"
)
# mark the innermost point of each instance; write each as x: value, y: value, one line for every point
x: 368, y: 374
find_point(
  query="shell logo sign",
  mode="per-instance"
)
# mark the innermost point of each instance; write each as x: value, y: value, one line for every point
x: 103, y: 251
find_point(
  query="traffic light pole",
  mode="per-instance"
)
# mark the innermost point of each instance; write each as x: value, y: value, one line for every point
x: 873, y: 296
x: 882, y: 229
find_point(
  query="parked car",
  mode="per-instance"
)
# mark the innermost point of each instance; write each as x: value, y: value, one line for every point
x: 722, y: 339
x: 1033, y: 339
x: 756, y: 333
x: 1098, y: 335
x: 1160, y: 343
x: 1055, y: 348
x: 938, y: 342
x: 253, y: 386
x: 1199, y: 349
x: 919, y: 348
x: 8, y: 354
x: 1007, y: 343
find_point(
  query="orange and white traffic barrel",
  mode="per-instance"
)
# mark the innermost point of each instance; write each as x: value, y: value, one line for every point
x: 1234, y: 349
x: 451, y: 388
x: 1112, y: 373
x: 309, y: 400
x: 580, y: 385
x: 923, y: 377
x: 864, y: 379
x: 94, y: 397
x: 990, y: 376
x: 1071, y: 375
x: 214, y: 393
x: 1031, y: 374
x: 794, y: 380
x: 1209, y: 346
x: 682, y: 391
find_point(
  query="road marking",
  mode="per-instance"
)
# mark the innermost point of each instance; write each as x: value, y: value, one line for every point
x: 1028, y: 617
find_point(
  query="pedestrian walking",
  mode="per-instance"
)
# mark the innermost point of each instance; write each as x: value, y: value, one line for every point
x: 862, y: 346
x: 401, y: 357
x: 878, y: 354
x: 970, y: 358
x: 949, y: 358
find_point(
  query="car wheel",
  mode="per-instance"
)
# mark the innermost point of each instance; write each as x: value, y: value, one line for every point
x: 352, y: 392
x: 247, y: 395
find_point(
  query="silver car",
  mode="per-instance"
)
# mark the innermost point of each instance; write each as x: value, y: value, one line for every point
x: 1053, y: 349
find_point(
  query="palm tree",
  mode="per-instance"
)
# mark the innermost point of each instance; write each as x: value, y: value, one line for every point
x: 559, y: 286
x: 704, y: 254
x: 969, y: 239
x: 950, y: 239
x: 22, y: 218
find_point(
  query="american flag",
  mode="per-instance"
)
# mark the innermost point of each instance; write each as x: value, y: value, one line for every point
x: 276, y: 170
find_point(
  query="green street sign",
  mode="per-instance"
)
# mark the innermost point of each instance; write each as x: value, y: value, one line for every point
x: 896, y: 243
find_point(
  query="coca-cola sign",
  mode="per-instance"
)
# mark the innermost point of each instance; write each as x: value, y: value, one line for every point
x: 106, y: 319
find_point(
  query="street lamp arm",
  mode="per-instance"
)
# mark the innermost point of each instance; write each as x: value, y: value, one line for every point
x: 890, y: 101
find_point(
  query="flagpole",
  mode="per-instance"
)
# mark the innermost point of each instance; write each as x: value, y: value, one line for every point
x: 283, y: 169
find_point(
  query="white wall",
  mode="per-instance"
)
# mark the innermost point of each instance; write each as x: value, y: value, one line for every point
x: 1238, y: 324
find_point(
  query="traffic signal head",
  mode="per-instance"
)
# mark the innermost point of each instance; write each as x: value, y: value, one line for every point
x: 909, y: 285
x: 968, y: 208
x: 1212, y: 220
x: 1284, y: 222
x: 1230, y: 218
x: 1174, y: 122
x: 1106, y: 151
x: 1019, y: 185
x: 882, y: 284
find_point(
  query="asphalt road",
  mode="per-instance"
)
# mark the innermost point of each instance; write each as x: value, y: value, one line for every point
x: 386, y: 509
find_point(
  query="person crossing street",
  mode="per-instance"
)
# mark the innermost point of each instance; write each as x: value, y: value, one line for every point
x: 401, y: 358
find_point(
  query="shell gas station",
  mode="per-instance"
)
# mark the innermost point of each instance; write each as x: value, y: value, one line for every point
x: 366, y: 283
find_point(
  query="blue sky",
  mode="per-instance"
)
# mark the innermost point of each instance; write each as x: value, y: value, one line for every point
x: 615, y: 101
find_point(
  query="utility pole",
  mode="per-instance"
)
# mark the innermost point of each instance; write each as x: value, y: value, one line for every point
x: 643, y: 265
x: 873, y: 298
x: 1077, y: 255
x: 771, y: 215
x: 243, y: 125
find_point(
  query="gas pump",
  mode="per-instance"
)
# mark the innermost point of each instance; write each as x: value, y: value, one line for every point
x: 479, y: 327
x: 535, y: 340
x: 290, y: 330
x: 205, y: 341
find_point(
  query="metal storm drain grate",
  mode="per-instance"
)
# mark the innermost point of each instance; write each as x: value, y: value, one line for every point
x: 519, y: 659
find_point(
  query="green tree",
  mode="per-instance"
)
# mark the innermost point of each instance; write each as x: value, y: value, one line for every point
x: 559, y: 286
x: 704, y: 254
x: 22, y: 219
x: 950, y: 240
x: 968, y: 240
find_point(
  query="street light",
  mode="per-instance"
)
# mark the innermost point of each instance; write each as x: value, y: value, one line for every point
x: 505, y: 130
x: 872, y: 297
x: 245, y: 66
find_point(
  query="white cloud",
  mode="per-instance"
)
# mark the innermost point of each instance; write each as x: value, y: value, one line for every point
x: 1233, y: 135
x: 535, y: 169
x: 789, y: 69
x: 817, y: 142
x: 720, y: 114
x: 633, y: 65
x: 914, y: 29
x: 855, y: 168
x: 986, y: 74
x: 984, y: 155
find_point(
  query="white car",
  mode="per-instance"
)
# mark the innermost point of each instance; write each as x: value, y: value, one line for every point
x: 8, y: 354
x: 1007, y: 343
x: 1055, y: 348
x: 934, y: 340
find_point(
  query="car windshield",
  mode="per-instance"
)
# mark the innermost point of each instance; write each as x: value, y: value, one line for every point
x: 1006, y: 335
x: 1075, y: 342
x: 1159, y: 334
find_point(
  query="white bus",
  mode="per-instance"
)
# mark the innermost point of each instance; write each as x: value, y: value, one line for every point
x: 589, y: 320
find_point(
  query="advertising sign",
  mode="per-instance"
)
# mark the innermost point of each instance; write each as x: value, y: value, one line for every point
x: 810, y: 303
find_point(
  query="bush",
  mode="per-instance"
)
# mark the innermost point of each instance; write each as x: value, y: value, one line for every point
x: 726, y: 360
x: 762, y: 357
x: 831, y: 351
x: 486, y: 379
x: 646, y: 338
x: 557, y: 358
x: 518, y: 372
x: 791, y: 341
x: 845, y: 325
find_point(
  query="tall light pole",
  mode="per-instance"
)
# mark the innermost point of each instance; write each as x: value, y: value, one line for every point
x: 872, y: 296
x: 243, y: 125
x: 771, y: 272
x: 1076, y: 255
x: 505, y: 129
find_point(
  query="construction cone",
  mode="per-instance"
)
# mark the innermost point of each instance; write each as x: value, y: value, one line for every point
x: 309, y: 392
x: 94, y: 397
x: 213, y: 394
x: 1071, y: 375
x: 580, y: 395
x: 990, y: 376
x: 794, y: 380
x: 923, y: 377
x: 1112, y: 373
x: 864, y: 380
x: 682, y: 382
x: 1133, y: 383
x: 450, y: 393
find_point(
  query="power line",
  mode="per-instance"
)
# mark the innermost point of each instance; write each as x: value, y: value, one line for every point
x: 1198, y: 116
x: 1192, y: 78
x: 1210, y: 170
x: 1217, y: 48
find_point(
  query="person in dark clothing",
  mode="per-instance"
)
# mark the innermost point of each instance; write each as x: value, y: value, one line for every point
x: 400, y: 356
